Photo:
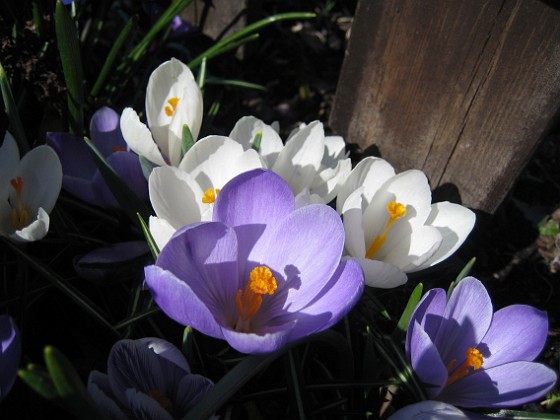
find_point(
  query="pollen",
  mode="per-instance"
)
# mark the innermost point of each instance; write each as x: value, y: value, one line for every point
x: 474, y: 361
x: 170, y: 109
x: 209, y: 196
x: 20, y: 217
x: 248, y: 302
x: 396, y: 211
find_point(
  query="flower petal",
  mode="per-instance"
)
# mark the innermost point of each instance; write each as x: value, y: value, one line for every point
x: 381, y: 274
x: 139, y: 137
x: 251, y: 343
x: 518, y: 332
x: 326, y: 182
x: 175, y: 196
x: 352, y: 218
x: 507, y: 385
x: 454, y: 222
x: 432, y: 410
x: 144, y: 407
x: 428, y: 314
x: 36, y: 230
x: 99, y: 389
x: 426, y: 361
x: 10, y: 353
x: 191, y: 390
x: 9, y: 160
x: 466, y: 320
x: 105, y: 131
x: 161, y: 231
x: 301, y: 158
x: 412, y: 250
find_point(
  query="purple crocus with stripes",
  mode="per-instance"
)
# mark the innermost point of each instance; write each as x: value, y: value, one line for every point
x: 147, y: 378
x: 262, y: 273
x: 469, y: 356
x: 10, y: 353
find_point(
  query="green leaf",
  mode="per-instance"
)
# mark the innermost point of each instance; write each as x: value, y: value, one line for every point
x: 187, y: 346
x: 256, y: 145
x: 213, y: 52
x: 111, y: 57
x: 149, y: 238
x: 69, y: 386
x: 187, y: 140
x: 201, y: 79
x: 127, y: 199
x: 173, y: 10
x: 247, y: 32
x: 402, y: 325
x: 464, y: 273
x: 233, y: 82
x: 296, y: 387
x: 38, y: 379
x: 16, y: 127
x: 69, y: 50
x: 528, y: 415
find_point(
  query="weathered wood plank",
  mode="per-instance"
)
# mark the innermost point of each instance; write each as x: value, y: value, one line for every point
x: 221, y: 14
x: 462, y: 90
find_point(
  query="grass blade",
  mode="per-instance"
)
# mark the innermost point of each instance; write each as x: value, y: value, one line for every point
x: 16, y: 127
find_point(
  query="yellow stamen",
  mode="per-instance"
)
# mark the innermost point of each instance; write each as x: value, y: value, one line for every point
x: 170, y: 109
x: 475, y: 360
x: 261, y: 282
x: 161, y: 399
x: 210, y: 195
x: 20, y: 217
x: 396, y: 211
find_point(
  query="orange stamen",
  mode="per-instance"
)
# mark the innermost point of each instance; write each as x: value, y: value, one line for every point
x: 170, y: 109
x: 396, y: 211
x: 20, y: 217
x: 261, y: 282
x: 475, y: 360
x: 209, y: 196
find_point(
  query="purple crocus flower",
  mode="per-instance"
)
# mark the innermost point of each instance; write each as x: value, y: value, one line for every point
x: 10, y: 352
x: 82, y: 177
x: 262, y: 273
x: 468, y: 356
x: 147, y: 378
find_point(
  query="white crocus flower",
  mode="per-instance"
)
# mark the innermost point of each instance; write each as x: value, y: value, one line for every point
x: 28, y: 190
x: 173, y: 99
x: 391, y: 226
x: 186, y: 194
x: 311, y: 163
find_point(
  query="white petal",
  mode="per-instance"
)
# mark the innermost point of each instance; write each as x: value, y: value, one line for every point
x: 161, y: 231
x: 41, y: 172
x: 454, y: 222
x: 326, y: 182
x: 245, y: 131
x: 9, y: 159
x: 381, y: 274
x: 214, y: 160
x: 410, y: 253
x: 371, y: 173
x: 353, y: 231
x: 305, y: 198
x: 335, y: 147
x: 35, y: 230
x: 139, y: 138
x: 300, y: 160
x: 175, y: 196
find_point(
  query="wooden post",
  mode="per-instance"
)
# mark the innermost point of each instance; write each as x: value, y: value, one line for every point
x: 221, y: 15
x: 463, y: 90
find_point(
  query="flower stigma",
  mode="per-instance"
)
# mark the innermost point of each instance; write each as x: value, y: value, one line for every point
x: 261, y: 282
x: 396, y: 211
x: 474, y: 360
x: 170, y: 109
x: 210, y: 195
x: 20, y: 217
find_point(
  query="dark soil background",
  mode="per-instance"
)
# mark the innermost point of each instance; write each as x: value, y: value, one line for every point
x: 299, y: 64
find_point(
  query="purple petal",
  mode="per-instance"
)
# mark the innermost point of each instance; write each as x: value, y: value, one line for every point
x: 105, y: 131
x: 272, y: 340
x: 10, y: 353
x: 74, y: 155
x: 180, y: 303
x: 432, y: 410
x: 465, y: 322
x: 426, y: 361
x: 81, y: 188
x: 166, y: 350
x: 334, y: 301
x: 428, y: 314
x: 145, y: 407
x: 192, y: 389
x: 99, y: 389
x: 305, y: 250
x: 518, y: 332
x: 204, y: 257
x: 507, y: 385
x: 253, y: 203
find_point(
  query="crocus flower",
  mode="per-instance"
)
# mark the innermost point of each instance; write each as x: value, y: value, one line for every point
x: 433, y: 410
x: 310, y: 161
x: 28, y: 190
x: 147, y: 378
x: 10, y: 353
x: 173, y: 99
x: 466, y: 355
x: 262, y: 273
x: 185, y: 195
x: 82, y: 177
x: 391, y: 226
